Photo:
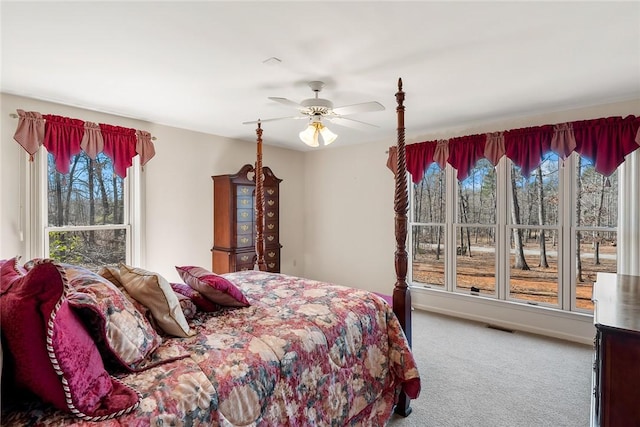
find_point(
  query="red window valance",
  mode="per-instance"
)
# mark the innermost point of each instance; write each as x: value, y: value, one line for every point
x: 605, y: 141
x: 65, y: 137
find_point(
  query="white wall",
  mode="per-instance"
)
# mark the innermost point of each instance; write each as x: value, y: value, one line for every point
x: 179, y: 188
x: 349, y: 228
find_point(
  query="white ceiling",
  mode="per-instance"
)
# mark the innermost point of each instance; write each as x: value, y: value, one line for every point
x: 201, y: 65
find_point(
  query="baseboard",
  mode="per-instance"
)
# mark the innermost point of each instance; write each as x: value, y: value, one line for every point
x: 566, y: 326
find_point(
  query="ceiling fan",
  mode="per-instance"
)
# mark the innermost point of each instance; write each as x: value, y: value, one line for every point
x: 315, y: 109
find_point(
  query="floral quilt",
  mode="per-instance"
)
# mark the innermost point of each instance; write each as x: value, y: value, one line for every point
x: 305, y: 353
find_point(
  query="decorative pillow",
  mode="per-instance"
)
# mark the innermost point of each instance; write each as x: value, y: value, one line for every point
x: 112, y: 274
x: 153, y: 290
x: 29, y: 264
x: 59, y: 361
x: 213, y: 287
x: 189, y: 309
x: 118, y: 327
x: 10, y: 270
x: 201, y: 302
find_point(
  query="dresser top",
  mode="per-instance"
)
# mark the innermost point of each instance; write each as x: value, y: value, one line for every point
x: 617, y: 301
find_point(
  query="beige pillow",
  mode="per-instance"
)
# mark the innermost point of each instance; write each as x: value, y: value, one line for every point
x: 153, y: 291
x: 112, y: 274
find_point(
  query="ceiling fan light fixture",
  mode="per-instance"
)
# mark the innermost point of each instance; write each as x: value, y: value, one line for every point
x: 327, y: 135
x: 312, y: 133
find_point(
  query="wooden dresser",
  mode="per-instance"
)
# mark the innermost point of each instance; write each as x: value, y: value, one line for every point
x: 234, y: 227
x: 616, y: 369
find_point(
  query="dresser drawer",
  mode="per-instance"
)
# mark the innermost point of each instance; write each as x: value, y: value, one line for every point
x: 245, y: 215
x: 244, y: 228
x: 245, y: 260
x: 270, y: 204
x: 271, y: 192
x: 244, y: 202
x: 271, y: 226
x: 245, y: 190
x: 271, y: 255
x: 273, y: 266
x: 270, y: 238
x: 244, y: 240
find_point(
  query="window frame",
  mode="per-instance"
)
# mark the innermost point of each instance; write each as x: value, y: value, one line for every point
x: 566, y: 229
x: 38, y: 229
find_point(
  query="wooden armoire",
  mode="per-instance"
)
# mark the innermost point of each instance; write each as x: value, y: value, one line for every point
x: 234, y: 216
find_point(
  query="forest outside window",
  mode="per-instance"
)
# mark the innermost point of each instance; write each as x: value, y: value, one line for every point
x: 539, y: 239
x: 87, y: 221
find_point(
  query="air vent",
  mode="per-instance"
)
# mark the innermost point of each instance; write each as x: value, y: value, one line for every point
x: 500, y: 328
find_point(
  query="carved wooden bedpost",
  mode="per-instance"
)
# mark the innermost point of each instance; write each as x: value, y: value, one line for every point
x: 401, y: 292
x: 262, y: 266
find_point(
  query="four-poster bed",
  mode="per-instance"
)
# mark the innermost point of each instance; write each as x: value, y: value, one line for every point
x: 259, y: 348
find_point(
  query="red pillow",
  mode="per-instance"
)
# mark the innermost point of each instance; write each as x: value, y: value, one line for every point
x: 213, y: 287
x: 201, y: 302
x: 10, y: 270
x: 57, y: 358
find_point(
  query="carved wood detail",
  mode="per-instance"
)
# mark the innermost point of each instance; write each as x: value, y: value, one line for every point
x: 259, y: 178
x: 401, y: 293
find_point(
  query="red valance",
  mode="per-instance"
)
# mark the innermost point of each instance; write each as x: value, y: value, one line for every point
x: 120, y: 146
x: 62, y: 137
x: 605, y: 141
x: 65, y: 137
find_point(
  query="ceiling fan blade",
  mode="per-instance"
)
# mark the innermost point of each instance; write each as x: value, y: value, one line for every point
x: 351, y: 123
x: 364, y: 107
x: 286, y: 101
x: 273, y: 120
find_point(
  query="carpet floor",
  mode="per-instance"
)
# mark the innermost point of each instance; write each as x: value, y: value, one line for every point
x: 475, y: 376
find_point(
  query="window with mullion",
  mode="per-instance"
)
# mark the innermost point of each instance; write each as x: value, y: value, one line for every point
x: 428, y: 228
x: 533, y: 233
x: 475, y: 231
x: 594, y: 232
x: 87, y: 221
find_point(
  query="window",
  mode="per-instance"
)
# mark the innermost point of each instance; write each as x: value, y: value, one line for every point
x: 428, y: 230
x: 85, y: 215
x: 595, y: 228
x: 538, y: 239
x: 475, y: 231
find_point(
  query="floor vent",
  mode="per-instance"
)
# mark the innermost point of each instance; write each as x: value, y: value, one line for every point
x: 500, y: 328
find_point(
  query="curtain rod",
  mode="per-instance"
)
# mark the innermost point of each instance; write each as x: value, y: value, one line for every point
x: 15, y: 116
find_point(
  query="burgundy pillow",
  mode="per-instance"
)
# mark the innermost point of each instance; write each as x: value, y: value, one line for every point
x: 58, y: 360
x: 201, y: 302
x: 213, y: 287
x: 10, y: 270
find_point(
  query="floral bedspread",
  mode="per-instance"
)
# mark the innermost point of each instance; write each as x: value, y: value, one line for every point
x: 305, y: 353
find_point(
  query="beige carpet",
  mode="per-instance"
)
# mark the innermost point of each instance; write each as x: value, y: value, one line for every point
x: 474, y: 376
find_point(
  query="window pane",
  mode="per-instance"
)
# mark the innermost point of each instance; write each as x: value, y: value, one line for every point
x: 597, y: 202
x: 477, y: 195
x: 596, y: 253
x: 534, y: 199
x: 91, y: 249
x: 476, y: 260
x: 533, y: 274
x: 90, y: 194
x: 428, y: 254
x: 596, y: 250
x: 429, y: 196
